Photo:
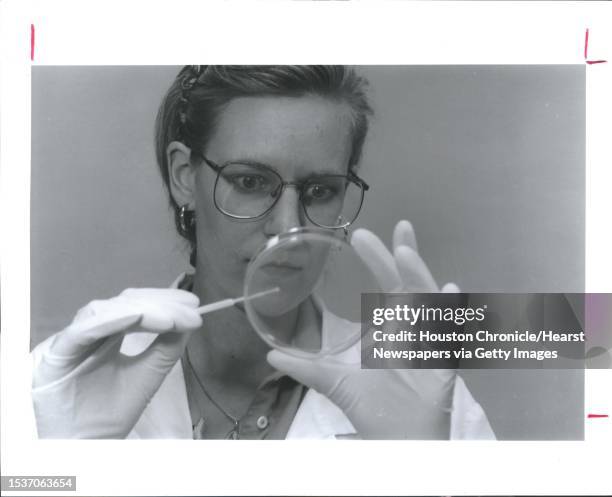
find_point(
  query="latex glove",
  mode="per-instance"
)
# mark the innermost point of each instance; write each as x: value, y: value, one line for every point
x: 383, y: 404
x: 83, y: 387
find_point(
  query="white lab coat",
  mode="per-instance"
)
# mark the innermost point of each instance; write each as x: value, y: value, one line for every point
x: 167, y: 415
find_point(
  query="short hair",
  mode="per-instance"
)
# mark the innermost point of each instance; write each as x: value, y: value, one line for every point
x: 194, y: 102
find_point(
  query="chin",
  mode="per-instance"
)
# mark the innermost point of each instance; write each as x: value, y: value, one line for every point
x: 224, y: 279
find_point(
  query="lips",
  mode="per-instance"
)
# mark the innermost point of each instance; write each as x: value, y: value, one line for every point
x: 298, y: 265
x: 296, y: 258
x: 287, y: 264
x: 282, y: 269
x: 283, y: 265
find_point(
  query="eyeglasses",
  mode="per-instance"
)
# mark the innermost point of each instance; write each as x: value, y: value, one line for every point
x: 250, y: 191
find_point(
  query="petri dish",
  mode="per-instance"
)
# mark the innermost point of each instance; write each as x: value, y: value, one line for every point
x: 303, y: 292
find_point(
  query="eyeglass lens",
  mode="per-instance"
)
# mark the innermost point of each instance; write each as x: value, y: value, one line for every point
x: 247, y: 191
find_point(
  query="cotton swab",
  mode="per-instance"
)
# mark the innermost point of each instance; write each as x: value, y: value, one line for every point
x: 223, y: 304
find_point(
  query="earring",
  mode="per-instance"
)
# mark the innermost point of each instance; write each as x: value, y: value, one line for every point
x: 186, y: 219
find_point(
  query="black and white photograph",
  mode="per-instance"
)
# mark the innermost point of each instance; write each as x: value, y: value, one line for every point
x: 305, y: 248
x: 183, y: 219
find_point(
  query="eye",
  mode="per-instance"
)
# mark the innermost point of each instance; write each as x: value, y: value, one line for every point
x: 250, y: 183
x: 320, y: 191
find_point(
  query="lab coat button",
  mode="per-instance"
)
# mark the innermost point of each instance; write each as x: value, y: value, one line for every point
x: 262, y: 422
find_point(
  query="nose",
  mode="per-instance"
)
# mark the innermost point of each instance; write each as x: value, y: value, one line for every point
x: 286, y: 213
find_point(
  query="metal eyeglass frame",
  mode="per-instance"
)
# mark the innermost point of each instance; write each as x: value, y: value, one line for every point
x: 299, y: 186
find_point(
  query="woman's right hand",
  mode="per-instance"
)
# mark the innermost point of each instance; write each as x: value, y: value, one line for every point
x: 83, y: 387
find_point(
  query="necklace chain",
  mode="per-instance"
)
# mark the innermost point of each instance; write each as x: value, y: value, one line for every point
x: 235, y: 431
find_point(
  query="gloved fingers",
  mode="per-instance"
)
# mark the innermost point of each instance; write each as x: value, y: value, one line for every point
x: 414, y: 272
x: 162, y: 354
x: 102, y: 318
x: 174, y: 322
x: 72, y: 342
x: 54, y: 366
x: 136, y: 296
x: 403, y: 234
x: 162, y: 294
x: 427, y: 380
x: 379, y: 260
x: 95, y: 309
x: 186, y: 318
x: 450, y: 288
x: 433, y: 386
x: 164, y: 310
x: 85, y: 312
x: 161, y: 316
x: 320, y: 374
x: 367, y: 339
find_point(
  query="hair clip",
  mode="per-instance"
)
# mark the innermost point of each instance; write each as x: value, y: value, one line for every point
x: 187, y: 83
x: 191, y: 79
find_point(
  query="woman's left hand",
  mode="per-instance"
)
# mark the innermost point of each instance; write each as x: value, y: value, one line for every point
x: 384, y: 403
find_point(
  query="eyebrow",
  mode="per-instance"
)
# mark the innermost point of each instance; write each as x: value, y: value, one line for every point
x: 250, y: 162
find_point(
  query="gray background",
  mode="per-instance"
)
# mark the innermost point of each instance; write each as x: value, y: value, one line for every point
x: 487, y: 162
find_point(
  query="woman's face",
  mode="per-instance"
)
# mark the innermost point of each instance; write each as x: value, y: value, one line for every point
x: 298, y: 137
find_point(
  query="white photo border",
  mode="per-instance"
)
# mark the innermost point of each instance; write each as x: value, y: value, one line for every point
x: 376, y: 32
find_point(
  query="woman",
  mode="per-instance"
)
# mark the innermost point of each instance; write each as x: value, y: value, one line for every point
x: 225, y: 134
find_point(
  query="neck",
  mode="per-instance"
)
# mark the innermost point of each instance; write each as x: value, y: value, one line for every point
x: 227, y: 349
x: 229, y: 359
